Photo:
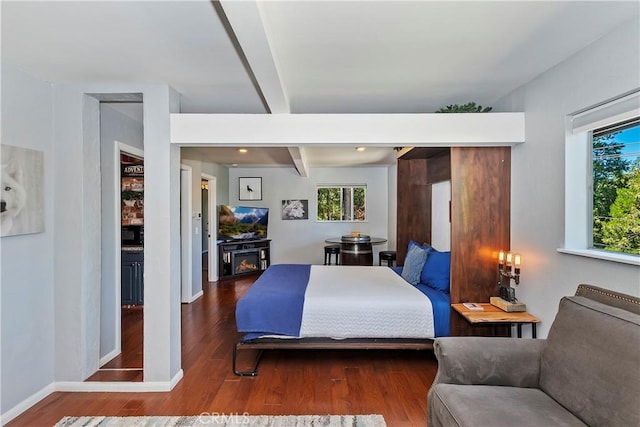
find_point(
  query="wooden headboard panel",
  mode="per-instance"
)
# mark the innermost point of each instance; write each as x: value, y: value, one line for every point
x: 480, y: 216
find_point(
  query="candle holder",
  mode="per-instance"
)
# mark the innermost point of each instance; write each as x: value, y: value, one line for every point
x: 508, y: 269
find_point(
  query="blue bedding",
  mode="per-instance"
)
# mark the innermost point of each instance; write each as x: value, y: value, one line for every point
x: 441, y: 303
x: 274, y: 304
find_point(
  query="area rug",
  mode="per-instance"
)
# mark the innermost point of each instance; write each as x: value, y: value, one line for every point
x: 231, y: 420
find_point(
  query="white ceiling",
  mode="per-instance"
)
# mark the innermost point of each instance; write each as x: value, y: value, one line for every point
x: 306, y: 56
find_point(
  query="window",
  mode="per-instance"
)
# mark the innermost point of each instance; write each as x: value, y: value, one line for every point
x: 601, y: 163
x: 342, y: 203
x: 616, y: 187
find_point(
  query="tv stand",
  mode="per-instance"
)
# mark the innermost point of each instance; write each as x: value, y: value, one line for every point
x: 240, y: 257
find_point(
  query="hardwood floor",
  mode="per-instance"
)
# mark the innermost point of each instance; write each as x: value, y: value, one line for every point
x: 127, y: 366
x: 393, y: 383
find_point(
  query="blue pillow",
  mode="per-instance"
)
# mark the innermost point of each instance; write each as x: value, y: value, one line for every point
x: 437, y: 271
x: 414, y: 262
x: 425, y: 246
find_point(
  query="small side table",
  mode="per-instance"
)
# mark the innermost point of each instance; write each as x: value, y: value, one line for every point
x: 493, y: 315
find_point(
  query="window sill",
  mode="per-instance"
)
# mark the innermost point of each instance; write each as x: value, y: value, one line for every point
x: 606, y: 256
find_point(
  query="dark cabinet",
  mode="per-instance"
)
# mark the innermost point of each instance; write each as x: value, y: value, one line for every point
x: 132, y: 278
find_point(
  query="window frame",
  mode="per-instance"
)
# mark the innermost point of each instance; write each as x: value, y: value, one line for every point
x: 578, y: 174
x: 343, y: 186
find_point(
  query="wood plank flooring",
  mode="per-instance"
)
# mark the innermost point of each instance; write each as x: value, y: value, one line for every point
x: 393, y: 383
x: 127, y: 366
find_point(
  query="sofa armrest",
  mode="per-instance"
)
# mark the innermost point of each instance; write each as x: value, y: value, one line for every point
x: 488, y: 360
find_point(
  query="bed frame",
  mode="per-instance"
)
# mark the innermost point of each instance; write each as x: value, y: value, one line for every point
x: 261, y: 344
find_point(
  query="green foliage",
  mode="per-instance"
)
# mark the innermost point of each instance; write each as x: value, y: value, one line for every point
x: 616, y: 198
x: 469, y: 107
x: 329, y: 204
x: 341, y: 204
x: 359, y: 204
x: 239, y: 228
x: 608, y: 173
x: 622, y: 231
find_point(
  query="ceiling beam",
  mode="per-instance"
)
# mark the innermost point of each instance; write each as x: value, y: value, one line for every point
x: 246, y: 22
x: 299, y: 157
x: 386, y: 130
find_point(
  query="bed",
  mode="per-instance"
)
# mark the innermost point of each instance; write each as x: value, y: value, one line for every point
x: 317, y: 306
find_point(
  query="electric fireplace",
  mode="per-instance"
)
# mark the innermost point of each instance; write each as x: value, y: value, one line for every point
x: 246, y: 261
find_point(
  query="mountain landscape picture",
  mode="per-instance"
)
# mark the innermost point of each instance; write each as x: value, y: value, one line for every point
x: 242, y: 222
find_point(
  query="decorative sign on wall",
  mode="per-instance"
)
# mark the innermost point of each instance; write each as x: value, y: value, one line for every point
x: 295, y: 209
x: 132, y: 176
x: 22, y: 198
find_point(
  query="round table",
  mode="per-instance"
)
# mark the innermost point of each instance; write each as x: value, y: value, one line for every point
x: 356, y: 250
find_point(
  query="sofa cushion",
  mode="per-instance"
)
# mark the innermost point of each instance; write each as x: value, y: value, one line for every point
x: 495, y: 360
x: 482, y: 405
x: 609, y: 297
x: 590, y: 363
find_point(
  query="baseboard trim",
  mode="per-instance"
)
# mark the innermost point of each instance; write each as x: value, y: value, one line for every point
x: 176, y: 379
x: 109, y: 357
x: 26, y: 404
x: 88, y: 387
x: 193, y: 297
x: 113, y: 386
x: 196, y: 296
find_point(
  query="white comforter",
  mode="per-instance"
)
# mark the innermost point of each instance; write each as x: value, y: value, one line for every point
x: 364, y: 302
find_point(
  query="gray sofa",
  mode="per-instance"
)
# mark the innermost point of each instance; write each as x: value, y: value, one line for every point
x: 586, y: 372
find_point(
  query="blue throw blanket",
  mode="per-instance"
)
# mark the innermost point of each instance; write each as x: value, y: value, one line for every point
x: 273, y: 305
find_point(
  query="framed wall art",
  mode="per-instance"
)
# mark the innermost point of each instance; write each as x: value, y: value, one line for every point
x: 22, y: 191
x: 250, y: 188
x: 295, y: 209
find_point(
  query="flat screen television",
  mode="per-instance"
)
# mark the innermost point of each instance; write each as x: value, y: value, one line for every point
x: 242, y: 223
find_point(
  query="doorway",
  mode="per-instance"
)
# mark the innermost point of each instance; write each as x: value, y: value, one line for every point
x: 204, y: 193
x: 121, y: 325
x: 209, y: 228
x: 197, y: 223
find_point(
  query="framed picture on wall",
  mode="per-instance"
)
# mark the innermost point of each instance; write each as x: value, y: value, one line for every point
x: 295, y: 209
x: 23, y: 189
x: 250, y: 188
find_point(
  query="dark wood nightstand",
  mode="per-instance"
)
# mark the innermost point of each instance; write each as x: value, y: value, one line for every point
x: 493, y: 315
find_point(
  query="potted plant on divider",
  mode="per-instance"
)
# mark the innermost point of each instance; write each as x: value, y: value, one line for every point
x: 469, y: 107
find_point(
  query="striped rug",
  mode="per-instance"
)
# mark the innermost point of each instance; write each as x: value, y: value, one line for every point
x: 230, y: 420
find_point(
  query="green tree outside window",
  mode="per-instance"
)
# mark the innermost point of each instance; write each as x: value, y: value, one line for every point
x: 616, y: 190
x: 342, y: 203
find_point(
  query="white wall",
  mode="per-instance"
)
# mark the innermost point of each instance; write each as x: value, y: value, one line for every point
x: 77, y: 238
x: 440, y: 215
x: 392, y: 227
x: 115, y: 128
x: 51, y: 307
x: 162, y: 349
x: 607, y: 68
x: 26, y: 277
x: 303, y: 241
x: 222, y: 182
